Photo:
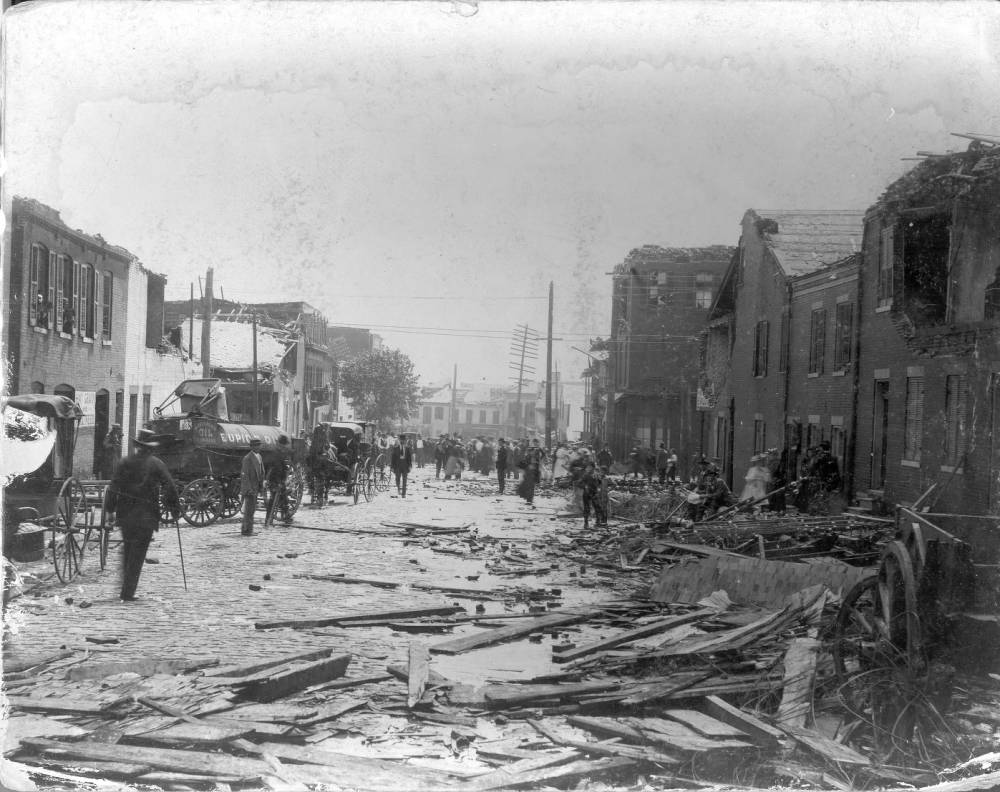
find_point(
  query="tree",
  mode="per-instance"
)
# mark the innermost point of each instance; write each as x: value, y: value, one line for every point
x: 381, y: 385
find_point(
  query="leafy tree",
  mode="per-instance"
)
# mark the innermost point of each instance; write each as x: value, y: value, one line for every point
x: 381, y: 385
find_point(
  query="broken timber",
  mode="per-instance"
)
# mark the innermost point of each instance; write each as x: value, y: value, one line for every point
x: 336, y: 621
x: 417, y: 672
x: 502, y: 634
x: 295, y: 679
x: 632, y: 635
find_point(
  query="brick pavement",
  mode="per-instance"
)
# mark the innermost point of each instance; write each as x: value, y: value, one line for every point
x: 214, y: 618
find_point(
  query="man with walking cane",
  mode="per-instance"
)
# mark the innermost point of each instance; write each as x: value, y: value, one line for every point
x: 134, y: 495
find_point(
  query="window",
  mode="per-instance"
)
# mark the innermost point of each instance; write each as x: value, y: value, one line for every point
x: 838, y: 445
x: 514, y: 412
x: 914, y: 430
x: 529, y: 413
x: 36, y: 387
x: 40, y: 305
x: 703, y: 298
x: 783, y: 342
x: 925, y: 247
x: 760, y: 349
x: 482, y: 416
x: 468, y: 416
x: 814, y: 434
x: 817, y: 341
x: 66, y: 294
x: 955, y: 403
x: 885, y: 261
x: 439, y: 413
x: 427, y: 415
x: 759, y: 436
x: 843, y: 343
x: 496, y: 417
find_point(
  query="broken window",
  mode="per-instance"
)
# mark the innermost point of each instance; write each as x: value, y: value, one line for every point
x: 925, y: 268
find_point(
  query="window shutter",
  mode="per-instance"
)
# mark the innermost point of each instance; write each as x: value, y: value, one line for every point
x: 95, y: 325
x: 76, y: 297
x: 51, y: 296
x: 765, y: 340
x: 820, y: 340
x: 33, y: 274
x: 57, y: 305
x: 914, y: 418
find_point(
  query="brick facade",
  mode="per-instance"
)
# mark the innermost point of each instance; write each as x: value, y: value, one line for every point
x: 660, y: 299
x: 930, y: 254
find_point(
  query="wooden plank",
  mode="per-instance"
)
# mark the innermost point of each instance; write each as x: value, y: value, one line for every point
x: 582, y: 767
x: 611, y: 726
x: 514, y: 695
x: 332, y: 621
x: 145, y: 668
x: 668, y: 688
x: 679, y: 736
x: 434, y: 679
x: 283, y: 684
x: 831, y: 750
x: 199, y: 762
x: 184, y: 733
x: 417, y: 672
x: 275, y: 712
x: 797, y: 690
x: 607, y: 749
x: 984, y: 782
x: 703, y: 724
x: 257, y: 728
x: 12, y: 666
x: 633, y: 635
x: 491, y: 637
x: 102, y: 769
x: 61, y: 705
x: 256, y: 668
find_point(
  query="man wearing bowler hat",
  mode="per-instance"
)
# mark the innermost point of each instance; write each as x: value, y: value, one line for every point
x: 251, y: 483
x: 134, y: 496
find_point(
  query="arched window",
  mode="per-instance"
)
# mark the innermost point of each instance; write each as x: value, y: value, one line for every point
x: 37, y: 387
x: 65, y: 390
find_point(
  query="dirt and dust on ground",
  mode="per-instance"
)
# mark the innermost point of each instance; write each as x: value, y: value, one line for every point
x: 464, y: 640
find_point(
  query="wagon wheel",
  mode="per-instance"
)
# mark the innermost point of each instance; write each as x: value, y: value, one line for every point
x: 105, y: 529
x: 202, y: 501
x: 231, y: 503
x: 294, y: 488
x: 878, y: 656
x: 371, y: 482
x: 382, y: 482
x: 70, y: 519
x: 355, y: 484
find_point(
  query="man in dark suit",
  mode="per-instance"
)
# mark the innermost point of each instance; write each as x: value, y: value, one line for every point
x: 402, y: 462
x: 503, y: 459
x: 251, y: 483
x: 133, y: 499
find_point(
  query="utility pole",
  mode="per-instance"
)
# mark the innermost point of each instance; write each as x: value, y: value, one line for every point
x: 191, y: 326
x: 451, y: 413
x: 524, y: 349
x: 548, y: 377
x: 206, y: 327
x: 256, y: 379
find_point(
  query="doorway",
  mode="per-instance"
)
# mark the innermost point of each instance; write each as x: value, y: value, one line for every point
x: 880, y: 434
x: 102, y: 420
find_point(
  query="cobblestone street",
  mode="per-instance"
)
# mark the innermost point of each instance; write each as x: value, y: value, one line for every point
x: 215, y: 616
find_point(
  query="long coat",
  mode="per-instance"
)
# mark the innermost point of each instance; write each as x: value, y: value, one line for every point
x: 401, y: 459
x: 135, y: 493
x: 251, y: 474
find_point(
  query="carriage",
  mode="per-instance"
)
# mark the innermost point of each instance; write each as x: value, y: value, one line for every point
x: 40, y: 433
x: 204, y: 451
x: 360, y: 472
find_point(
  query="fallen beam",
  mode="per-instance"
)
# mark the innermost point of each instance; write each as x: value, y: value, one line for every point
x: 296, y: 679
x: 417, y: 672
x: 335, y: 621
x: 502, y: 634
x: 633, y: 635
x: 256, y: 668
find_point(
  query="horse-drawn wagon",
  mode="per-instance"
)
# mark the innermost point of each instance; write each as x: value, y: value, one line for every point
x: 203, y: 451
x: 343, y: 454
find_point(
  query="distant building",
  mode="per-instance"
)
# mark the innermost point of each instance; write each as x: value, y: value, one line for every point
x: 660, y: 300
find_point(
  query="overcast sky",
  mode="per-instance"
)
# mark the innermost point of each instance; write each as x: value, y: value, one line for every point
x: 435, y: 165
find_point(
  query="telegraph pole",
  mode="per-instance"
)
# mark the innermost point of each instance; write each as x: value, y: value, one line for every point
x: 524, y: 346
x: 256, y: 378
x: 548, y: 377
x: 206, y: 327
x: 451, y: 413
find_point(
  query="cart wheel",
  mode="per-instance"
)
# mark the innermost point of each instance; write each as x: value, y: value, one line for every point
x: 202, y: 502
x: 294, y: 489
x: 878, y: 656
x: 65, y: 554
x: 105, y: 530
x: 232, y: 503
x: 371, y: 482
x: 73, y: 517
x: 356, y: 484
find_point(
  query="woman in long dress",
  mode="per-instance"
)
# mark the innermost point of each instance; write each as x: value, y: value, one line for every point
x: 757, y: 479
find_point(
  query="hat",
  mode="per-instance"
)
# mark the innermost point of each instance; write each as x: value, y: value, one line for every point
x: 119, y: 426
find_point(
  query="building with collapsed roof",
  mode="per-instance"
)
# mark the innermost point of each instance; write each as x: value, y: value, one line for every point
x: 660, y: 298
x: 773, y: 324
x: 929, y: 384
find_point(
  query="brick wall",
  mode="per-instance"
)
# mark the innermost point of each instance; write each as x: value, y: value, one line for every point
x: 53, y: 358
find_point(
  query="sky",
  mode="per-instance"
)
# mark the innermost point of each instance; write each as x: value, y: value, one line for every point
x: 427, y: 169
